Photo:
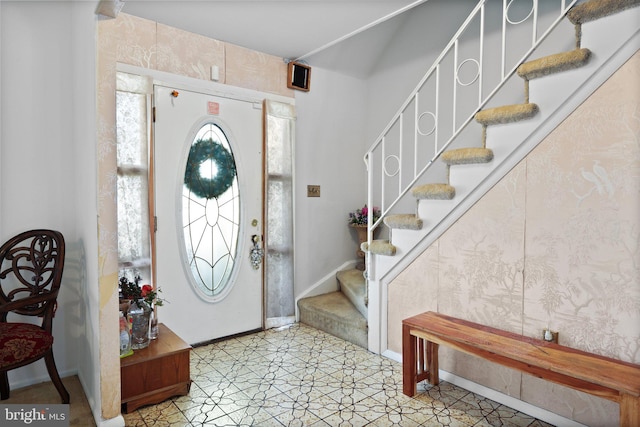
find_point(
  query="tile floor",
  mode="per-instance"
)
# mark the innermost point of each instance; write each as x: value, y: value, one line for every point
x: 296, y: 376
x: 299, y: 376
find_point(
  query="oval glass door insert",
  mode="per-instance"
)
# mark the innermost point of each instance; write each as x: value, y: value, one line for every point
x: 211, y: 211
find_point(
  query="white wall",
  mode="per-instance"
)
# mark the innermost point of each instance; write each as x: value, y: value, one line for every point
x: 84, y: 136
x: 425, y: 32
x: 37, y: 162
x: 329, y: 149
x: 47, y: 166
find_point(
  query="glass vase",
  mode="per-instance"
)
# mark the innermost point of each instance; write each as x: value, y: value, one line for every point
x: 153, y: 325
x: 139, y: 315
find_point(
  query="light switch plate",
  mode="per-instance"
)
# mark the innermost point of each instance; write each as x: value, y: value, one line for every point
x: 313, y: 191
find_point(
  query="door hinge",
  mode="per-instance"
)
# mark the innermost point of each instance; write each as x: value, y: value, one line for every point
x: 155, y: 223
x: 153, y: 114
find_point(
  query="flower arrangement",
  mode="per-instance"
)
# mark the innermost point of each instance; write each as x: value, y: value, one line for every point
x: 359, y: 217
x: 131, y: 289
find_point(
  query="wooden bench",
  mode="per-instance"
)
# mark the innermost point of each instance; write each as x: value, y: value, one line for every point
x: 597, y: 375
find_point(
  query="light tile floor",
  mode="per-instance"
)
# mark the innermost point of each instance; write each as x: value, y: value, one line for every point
x: 299, y: 376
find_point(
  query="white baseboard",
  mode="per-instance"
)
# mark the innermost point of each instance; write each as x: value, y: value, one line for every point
x: 276, y: 322
x: 117, y: 421
x: 496, y: 396
x: 112, y: 422
x: 14, y: 385
x: 512, y: 402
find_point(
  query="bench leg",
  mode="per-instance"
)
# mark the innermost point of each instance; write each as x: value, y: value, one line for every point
x: 422, y: 360
x: 432, y: 360
x: 409, y: 349
x: 629, y: 411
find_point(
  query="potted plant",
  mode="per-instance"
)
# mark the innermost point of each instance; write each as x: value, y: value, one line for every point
x: 358, y: 220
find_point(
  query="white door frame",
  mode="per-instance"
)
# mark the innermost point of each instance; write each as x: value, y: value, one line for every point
x: 202, y: 86
x: 205, y: 87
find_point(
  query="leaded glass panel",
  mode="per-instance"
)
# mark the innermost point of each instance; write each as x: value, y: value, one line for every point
x: 211, y: 210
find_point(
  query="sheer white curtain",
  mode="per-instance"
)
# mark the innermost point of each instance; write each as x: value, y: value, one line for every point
x: 278, y: 240
x: 132, y: 142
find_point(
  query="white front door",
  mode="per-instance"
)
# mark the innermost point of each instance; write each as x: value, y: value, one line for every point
x: 205, y: 222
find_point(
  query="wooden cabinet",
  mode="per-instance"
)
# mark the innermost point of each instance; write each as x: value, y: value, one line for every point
x: 155, y: 373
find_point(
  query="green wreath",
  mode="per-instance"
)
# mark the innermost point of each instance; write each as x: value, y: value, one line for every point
x: 209, y: 188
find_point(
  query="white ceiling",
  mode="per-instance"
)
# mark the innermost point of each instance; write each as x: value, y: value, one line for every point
x: 290, y: 29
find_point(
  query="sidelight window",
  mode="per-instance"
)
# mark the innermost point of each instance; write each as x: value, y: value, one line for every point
x: 133, y: 159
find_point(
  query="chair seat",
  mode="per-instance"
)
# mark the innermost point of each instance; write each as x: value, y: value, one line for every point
x: 22, y: 341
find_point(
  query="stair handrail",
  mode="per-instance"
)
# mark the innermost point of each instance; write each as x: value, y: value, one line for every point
x: 565, y: 6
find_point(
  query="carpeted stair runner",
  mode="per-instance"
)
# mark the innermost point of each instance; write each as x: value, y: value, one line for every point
x: 335, y: 314
x: 554, y: 64
x: 596, y: 9
x: 506, y: 114
x: 379, y: 247
x: 354, y: 286
x: 502, y: 115
x: 467, y: 156
x: 434, y: 192
x: 403, y: 221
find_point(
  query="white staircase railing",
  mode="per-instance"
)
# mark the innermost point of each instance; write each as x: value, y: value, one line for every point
x: 446, y: 99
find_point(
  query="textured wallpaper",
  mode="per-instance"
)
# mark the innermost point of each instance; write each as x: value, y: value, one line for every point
x: 556, y: 243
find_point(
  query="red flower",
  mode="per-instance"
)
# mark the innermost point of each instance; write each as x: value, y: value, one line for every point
x: 146, y: 289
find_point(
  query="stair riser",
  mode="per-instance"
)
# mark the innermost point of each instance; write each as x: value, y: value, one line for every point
x: 436, y: 210
x: 358, y: 302
x: 345, y: 331
x: 353, y: 285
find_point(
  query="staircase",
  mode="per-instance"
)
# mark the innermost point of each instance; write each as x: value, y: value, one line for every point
x: 342, y: 313
x: 462, y: 169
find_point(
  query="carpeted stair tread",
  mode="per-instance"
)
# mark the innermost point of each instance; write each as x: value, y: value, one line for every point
x: 379, y: 247
x: 403, y: 221
x: 506, y: 114
x: 554, y: 64
x: 596, y: 9
x: 434, y: 192
x: 354, y: 286
x: 467, y: 156
x: 333, y: 313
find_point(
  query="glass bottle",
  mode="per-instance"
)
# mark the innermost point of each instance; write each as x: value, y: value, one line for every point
x: 125, y: 336
x: 139, y: 315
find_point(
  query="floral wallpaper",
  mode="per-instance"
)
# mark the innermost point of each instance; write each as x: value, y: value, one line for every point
x: 555, y: 244
x: 147, y: 44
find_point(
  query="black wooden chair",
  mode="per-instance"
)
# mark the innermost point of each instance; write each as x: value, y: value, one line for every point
x: 31, y: 265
